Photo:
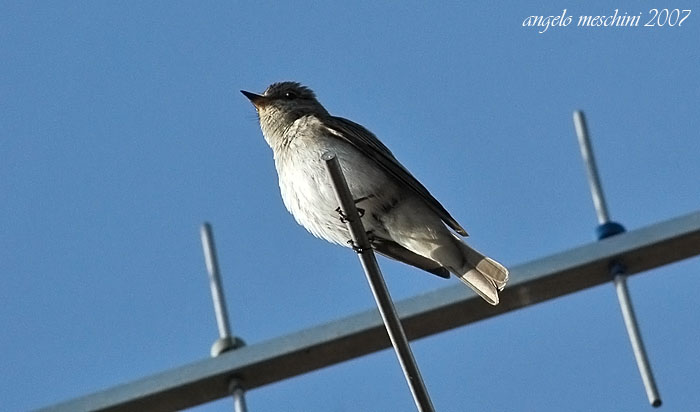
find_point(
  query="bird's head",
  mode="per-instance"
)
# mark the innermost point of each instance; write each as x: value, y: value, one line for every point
x: 282, y: 104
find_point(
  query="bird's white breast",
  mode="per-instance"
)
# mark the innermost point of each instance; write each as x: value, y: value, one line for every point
x: 305, y: 185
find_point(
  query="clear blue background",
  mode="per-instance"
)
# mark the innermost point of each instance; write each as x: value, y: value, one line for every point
x: 122, y: 130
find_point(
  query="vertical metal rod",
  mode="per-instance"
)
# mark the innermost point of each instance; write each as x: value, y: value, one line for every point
x: 617, y: 269
x: 591, y: 169
x: 376, y: 283
x: 217, y: 292
x: 238, y: 393
x: 640, y: 353
x: 226, y: 340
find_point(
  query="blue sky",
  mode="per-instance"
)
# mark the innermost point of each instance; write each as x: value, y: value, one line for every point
x: 122, y: 130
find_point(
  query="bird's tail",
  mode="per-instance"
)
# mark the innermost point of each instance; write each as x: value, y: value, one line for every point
x: 483, y: 274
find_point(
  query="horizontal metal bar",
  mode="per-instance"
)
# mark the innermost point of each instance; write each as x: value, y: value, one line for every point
x: 357, y: 335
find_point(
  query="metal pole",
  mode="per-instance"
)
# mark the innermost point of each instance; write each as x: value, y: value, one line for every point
x: 640, y: 353
x: 217, y: 291
x: 376, y: 282
x: 605, y: 229
x: 359, y: 334
x: 238, y: 394
x: 584, y: 143
x: 226, y: 341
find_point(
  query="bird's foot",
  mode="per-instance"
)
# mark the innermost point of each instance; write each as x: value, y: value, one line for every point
x: 360, y: 211
x: 358, y: 249
x: 355, y: 247
x: 344, y: 217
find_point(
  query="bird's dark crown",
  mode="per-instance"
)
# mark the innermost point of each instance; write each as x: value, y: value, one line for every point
x: 289, y: 90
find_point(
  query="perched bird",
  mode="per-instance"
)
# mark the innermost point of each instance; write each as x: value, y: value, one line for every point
x: 404, y: 221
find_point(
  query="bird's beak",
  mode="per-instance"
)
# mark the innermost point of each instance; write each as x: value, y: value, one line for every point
x: 256, y: 99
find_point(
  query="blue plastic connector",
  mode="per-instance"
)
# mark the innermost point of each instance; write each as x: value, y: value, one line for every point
x: 609, y: 229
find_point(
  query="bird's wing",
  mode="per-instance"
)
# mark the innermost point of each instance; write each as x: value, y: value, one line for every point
x: 395, y: 251
x: 368, y: 144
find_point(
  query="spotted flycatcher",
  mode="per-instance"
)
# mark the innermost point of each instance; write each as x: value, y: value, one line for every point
x: 404, y: 221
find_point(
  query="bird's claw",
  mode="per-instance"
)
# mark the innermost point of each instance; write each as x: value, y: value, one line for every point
x: 361, y: 211
x: 355, y: 247
x: 344, y: 217
x: 358, y: 249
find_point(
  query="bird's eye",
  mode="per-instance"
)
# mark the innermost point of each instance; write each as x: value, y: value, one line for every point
x: 290, y: 95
